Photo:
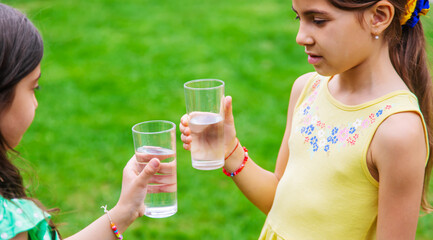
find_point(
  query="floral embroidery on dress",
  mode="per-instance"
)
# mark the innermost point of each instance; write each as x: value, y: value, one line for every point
x: 322, y: 136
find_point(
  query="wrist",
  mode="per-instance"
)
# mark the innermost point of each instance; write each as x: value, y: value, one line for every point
x: 122, y: 217
x: 241, y: 166
x: 231, y: 149
x: 235, y: 158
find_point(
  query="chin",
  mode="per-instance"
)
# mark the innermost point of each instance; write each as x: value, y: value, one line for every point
x: 325, y: 71
x: 13, y: 144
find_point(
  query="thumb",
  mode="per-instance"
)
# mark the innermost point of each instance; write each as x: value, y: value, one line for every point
x: 151, y: 168
x: 228, y: 109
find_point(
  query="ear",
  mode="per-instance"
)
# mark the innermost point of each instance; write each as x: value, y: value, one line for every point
x: 380, y: 16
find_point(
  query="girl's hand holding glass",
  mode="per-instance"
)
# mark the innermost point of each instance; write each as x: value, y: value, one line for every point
x: 135, y: 182
x: 229, y: 129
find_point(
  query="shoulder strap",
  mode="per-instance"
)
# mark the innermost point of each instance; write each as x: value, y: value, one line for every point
x: 312, y: 86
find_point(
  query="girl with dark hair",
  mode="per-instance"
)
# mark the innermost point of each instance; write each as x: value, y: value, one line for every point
x: 354, y: 162
x: 21, y: 217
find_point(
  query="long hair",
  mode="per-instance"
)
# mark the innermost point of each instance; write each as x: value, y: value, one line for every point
x: 21, y: 51
x: 407, y: 51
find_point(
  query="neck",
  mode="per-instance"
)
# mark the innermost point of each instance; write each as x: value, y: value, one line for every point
x: 372, y: 78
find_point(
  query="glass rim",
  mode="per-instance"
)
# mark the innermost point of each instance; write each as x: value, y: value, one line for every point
x: 204, y: 80
x: 173, y: 126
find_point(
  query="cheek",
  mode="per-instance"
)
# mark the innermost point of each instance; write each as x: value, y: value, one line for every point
x: 350, y: 50
x: 14, y: 124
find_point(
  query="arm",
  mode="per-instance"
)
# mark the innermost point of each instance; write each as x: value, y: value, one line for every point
x: 130, y: 205
x: 398, y: 151
x: 256, y: 183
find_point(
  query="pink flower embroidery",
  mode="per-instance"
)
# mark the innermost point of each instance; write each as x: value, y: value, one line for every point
x: 365, y: 123
x: 372, y: 119
x: 352, y: 140
x: 320, y: 124
x: 343, y: 134
x: 316, y: 84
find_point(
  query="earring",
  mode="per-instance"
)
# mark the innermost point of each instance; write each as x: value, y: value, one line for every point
x: 376, y: 37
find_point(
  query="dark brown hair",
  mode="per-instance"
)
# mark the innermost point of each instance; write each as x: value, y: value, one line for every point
x: 407, y: 50
x: 21, y: 51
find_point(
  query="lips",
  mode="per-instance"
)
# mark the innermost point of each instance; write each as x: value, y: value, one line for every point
x: 313, y: 58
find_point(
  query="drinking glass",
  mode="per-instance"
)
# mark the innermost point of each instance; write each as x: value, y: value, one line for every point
x: 157, y: 139
x: 204, y: 105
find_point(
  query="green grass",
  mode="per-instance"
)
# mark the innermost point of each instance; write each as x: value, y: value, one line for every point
x: 110, y: 64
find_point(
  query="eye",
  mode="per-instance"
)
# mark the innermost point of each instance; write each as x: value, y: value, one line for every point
x: 319, y: 21
x: 37, y: 88
x: 297, y: 17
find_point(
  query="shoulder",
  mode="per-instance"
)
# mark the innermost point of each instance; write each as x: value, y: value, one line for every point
x: 301, y: 82
x: 399, y: 144
x: 17, y: 216
x: 299, y: 85
x: 402, y: 129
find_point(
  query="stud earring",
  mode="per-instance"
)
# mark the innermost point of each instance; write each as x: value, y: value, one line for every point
x: 376, y: 37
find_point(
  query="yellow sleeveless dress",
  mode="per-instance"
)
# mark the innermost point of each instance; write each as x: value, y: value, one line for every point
x: 327, y: 191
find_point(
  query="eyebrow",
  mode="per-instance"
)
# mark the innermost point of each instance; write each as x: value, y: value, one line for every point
x: 311, y: 12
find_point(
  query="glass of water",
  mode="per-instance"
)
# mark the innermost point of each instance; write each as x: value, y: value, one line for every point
x: 157, y: 139
x: 204, y: 105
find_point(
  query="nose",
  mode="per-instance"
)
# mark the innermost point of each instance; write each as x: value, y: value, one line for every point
x: 304, y: 36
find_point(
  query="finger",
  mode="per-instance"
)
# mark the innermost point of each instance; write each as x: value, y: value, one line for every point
x: 151, y: 168
x: 181, y: 128
x: 185, y: 138
x: 152, y: 152
x: 187, y: 146
x: 162, y: 188
x: 228, y: 111
x: 185, y: 130
x: 185, y: 120
x: 164, y: 168
x: 163, y: 179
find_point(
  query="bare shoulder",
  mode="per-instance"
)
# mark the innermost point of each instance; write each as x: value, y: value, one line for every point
x: 399, y: 143
x: 402, y: 129
x: 300, y: 83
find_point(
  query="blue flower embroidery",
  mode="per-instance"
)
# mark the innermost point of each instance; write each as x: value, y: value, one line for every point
x: 313, y: 140
x: 352, y: 130
x: 379, y: 113
x: 306, y: 110
x: 332, y: 139
x: 309, y: 129
x: 326, y: 148
x: 303, y: 129
x: 334, y: 131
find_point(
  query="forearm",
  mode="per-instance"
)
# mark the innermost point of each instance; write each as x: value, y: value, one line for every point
x: 256, y: 183
x: 101, y: 228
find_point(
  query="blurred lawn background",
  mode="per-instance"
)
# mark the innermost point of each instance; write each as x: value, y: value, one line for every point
x: 109, y: 64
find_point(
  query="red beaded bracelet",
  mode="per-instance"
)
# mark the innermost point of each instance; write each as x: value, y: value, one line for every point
x: 232, y: 174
